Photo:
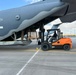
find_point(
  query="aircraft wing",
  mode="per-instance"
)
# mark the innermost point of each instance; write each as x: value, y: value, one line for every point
x: 69, y: 17
x: 71, y: 13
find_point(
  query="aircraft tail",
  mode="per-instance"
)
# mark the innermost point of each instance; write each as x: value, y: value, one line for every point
x: 56, y: 26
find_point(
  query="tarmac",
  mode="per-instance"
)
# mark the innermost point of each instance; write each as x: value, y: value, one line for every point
x: 31, y: 60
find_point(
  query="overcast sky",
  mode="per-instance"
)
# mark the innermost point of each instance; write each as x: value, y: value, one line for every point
x: 7, y: 4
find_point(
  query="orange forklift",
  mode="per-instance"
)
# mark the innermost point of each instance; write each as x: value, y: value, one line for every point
x: 55, y: 39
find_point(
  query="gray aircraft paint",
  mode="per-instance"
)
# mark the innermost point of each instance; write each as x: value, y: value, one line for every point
x: 14, y: 20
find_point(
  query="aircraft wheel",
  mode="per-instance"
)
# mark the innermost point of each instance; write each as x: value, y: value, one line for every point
x: 66, y: 47
x: 45, y: 46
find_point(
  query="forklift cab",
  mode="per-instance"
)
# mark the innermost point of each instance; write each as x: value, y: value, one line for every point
x: 53, y: 35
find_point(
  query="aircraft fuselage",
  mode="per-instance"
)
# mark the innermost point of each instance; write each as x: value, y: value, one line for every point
x: 17, y: 19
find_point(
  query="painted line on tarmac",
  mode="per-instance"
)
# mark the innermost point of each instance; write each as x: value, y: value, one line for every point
x: 27, y: 63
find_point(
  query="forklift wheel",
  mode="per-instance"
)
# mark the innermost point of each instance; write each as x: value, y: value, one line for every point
x: 66, y: 47
x: 45, y: 47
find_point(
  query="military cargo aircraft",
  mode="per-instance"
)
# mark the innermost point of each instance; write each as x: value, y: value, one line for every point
x: 16, y: 22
